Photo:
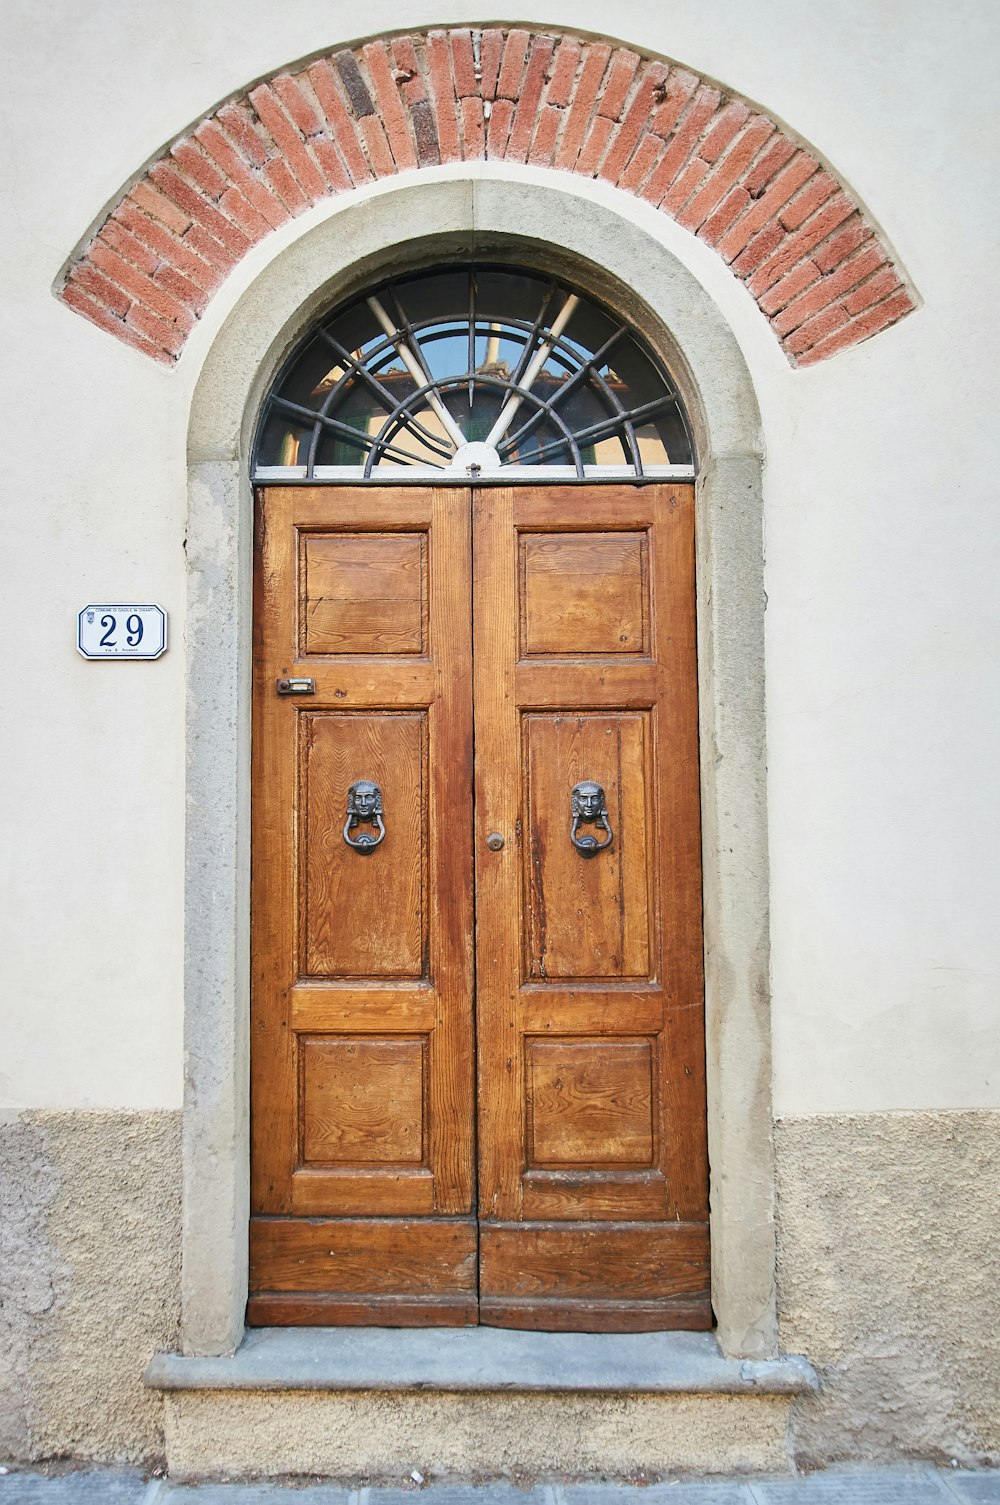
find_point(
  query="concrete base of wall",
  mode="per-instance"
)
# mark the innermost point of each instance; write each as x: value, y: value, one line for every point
x: 378, y: 1435
x: 89, y: 1281
x: 886, y: 1281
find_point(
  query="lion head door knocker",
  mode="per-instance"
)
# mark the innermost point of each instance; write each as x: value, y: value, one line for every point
x: 364, y: 807
x: 589, y: 809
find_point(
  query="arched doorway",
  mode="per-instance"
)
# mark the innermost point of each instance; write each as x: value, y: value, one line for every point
x: 477, y: 986
x: 609, y: 247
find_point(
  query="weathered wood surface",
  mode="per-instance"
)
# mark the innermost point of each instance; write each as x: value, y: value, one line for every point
x: 592, y: 1167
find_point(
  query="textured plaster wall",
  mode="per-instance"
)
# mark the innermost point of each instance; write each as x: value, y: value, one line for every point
x: 89, y: 1281
x: 888, y: 1280
x: 482, y: 1435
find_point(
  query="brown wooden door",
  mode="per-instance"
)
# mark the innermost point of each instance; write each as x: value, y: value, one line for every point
x: 576, y: 607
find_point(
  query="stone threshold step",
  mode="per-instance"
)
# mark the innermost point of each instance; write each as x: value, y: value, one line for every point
x: 480, y: 1358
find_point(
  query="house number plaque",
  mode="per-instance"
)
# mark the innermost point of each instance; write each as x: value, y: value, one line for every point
x: 128, y: 630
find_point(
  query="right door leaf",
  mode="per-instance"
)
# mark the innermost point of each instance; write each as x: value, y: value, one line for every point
x: 593, y: 1171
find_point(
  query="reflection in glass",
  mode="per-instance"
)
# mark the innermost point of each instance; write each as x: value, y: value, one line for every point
x: 519, y: 366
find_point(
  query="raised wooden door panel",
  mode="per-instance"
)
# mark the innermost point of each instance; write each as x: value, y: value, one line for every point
x: 363, y: 593
x: 587, y: 919
x: 362, y: 1058
x: 593, y: 1184
x: 363, y: 917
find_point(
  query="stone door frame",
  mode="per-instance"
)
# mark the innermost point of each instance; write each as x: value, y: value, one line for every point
x: 608, y: 243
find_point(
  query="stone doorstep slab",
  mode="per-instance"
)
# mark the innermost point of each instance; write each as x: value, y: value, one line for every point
x: 481, y: 1359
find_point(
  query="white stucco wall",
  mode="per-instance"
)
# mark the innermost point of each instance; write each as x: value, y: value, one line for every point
x: 881, y: 539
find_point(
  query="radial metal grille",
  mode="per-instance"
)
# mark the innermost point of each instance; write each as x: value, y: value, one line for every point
x: 472, y: 370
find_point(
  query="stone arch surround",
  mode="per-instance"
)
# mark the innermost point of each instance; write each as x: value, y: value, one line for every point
x: 717, y: 164
x: 604, y: 242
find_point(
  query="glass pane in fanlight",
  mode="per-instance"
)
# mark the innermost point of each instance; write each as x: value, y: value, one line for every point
x: 545, y: 445
x: 587, y: 407
x: 652, y: 450
x: 638, y: 383
x: 536, y: 437
x: 664, y: 440
x: 282, y: 441
x: 504, y: 294
x: 613, y: 451
x: 356, y: 409
x: 416, y: 437
x: 337, y: 448
x: 445, y: 349
x: 499, y: 348
x: 315, y: 370
x: 430, y: 297
x: 356, y: 328
x: 589, y: 327
x: 382, y: 412
x: 477, y: 420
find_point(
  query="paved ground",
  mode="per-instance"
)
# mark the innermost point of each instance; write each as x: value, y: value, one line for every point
x: 915, y: 1484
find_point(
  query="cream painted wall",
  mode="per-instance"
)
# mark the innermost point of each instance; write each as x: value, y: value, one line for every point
x: 881, y: 533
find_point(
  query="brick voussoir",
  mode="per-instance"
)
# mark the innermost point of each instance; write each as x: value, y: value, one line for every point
x: 100, y: 317
x: 387, y: 97
x: 339, y: 121
x: 723, y: 168
x: 443, y: 96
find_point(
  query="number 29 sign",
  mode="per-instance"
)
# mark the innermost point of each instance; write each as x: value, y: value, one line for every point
x: 118, y: 631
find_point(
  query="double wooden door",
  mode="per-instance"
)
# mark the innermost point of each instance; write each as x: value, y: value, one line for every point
x: 477, y: 1000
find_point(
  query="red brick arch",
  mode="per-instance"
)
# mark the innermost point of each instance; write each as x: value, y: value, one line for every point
x: 714, y: 163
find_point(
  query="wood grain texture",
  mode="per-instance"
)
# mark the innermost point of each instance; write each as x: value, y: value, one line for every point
x: 590, y: 1103
x: 363, y: 915
x: 361, y: 1006
x: 354, y: 1272
x: 362, y: 1099
x: 556, y: 685
x: 587, y: 918
x: 499, y: 910
x: 346, y: 1191
x: 587, y: 1193
x: 341, y: 1009
x: 594, y: 1159
x: 604, y: 1007
x: 592, y: 1162
x: 302, y: 1309
x: 678, y: 838
x: 608, y: 1276
x: 583, y: 593
x: 557, y: 1315
x: 362, y: 593
x: 274, y: 1129
x: 363, y: 1256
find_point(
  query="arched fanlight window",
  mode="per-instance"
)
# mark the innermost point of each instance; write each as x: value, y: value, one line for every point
x: 471, y: 370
